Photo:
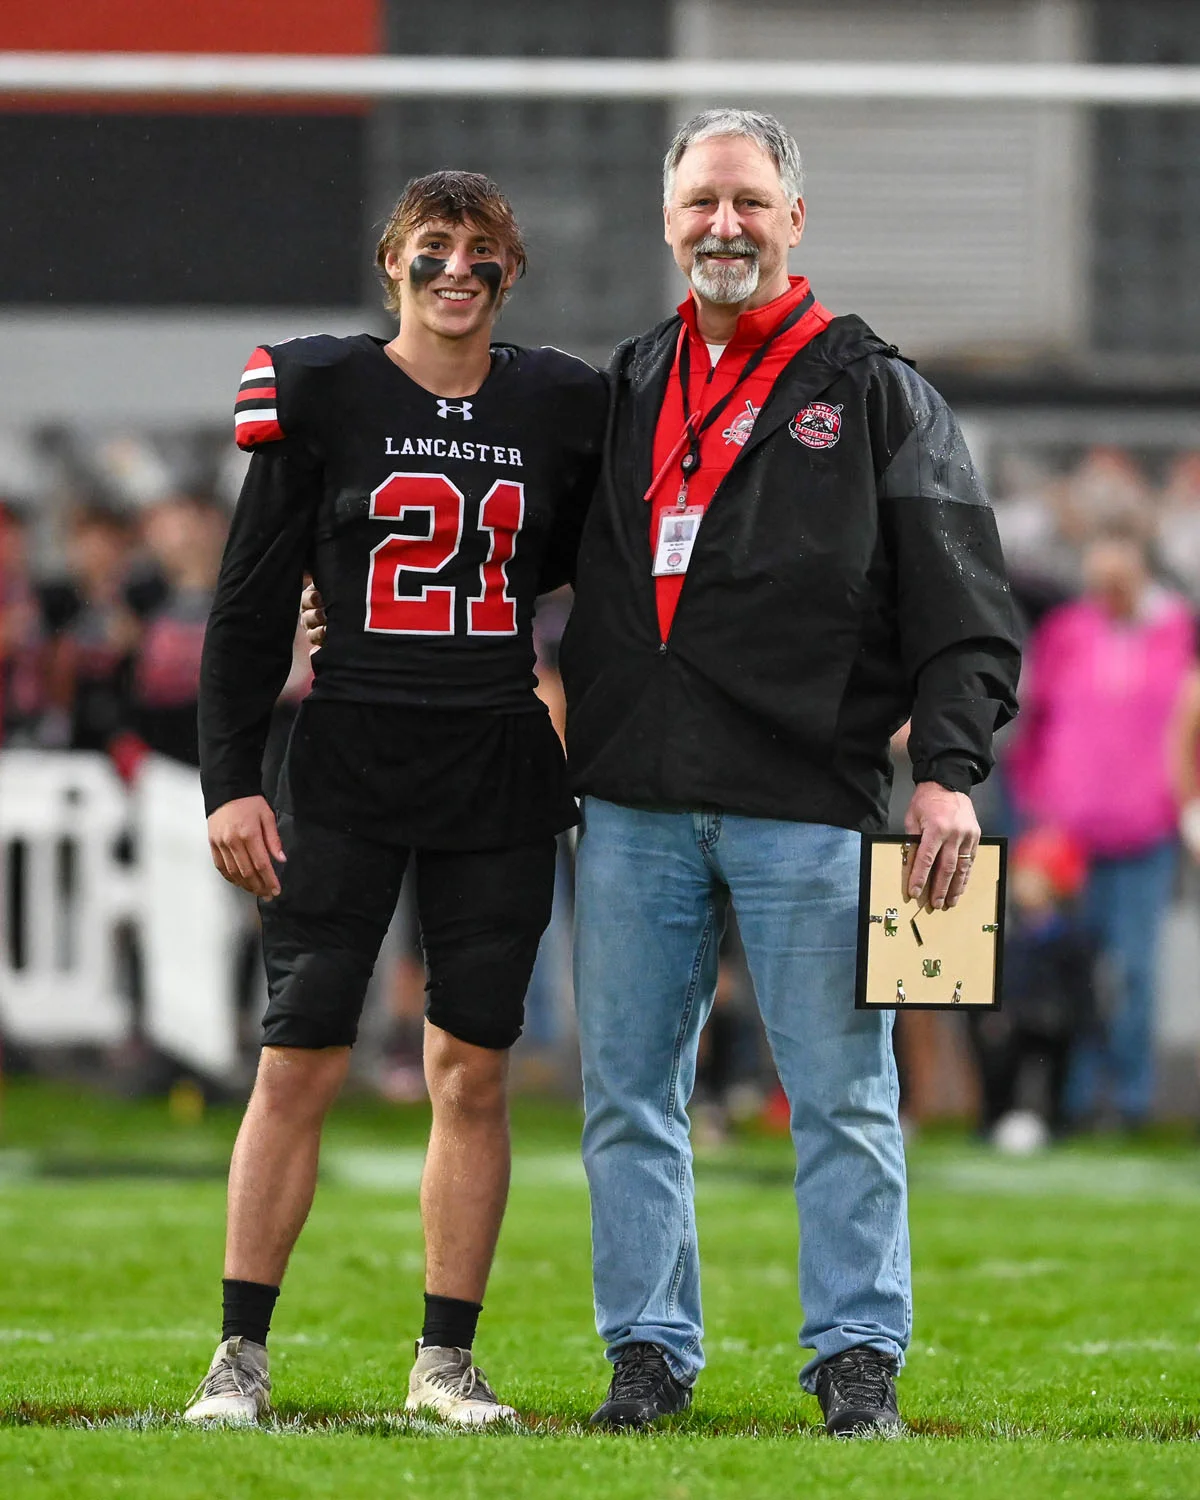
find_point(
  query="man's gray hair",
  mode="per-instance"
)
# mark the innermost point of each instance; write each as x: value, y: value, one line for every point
x: 752, y: 123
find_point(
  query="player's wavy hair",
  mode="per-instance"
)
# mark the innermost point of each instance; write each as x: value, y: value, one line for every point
x: 779, y: 144
x: 459, y: 198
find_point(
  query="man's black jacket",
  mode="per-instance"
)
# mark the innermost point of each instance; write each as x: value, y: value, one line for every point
x: 836, y: 588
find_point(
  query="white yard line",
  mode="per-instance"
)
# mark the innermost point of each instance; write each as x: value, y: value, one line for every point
x: 1118, y: 1179
x: 400, y: 1171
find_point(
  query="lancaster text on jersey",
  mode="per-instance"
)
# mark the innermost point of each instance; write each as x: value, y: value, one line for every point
x: 440, y: 447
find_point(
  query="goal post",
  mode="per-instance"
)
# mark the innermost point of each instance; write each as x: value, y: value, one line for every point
x: 369, y: 78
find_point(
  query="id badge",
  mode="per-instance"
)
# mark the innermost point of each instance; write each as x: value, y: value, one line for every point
x: 677, y: 530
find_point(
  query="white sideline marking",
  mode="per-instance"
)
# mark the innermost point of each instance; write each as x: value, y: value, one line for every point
x: 998, y: 1270
x: 400, y: 1171
x: 1119, y: 1179
x: 1098, y: 1347
x: 1018, y: 1270
x: 1128, y: 1179
x: 17, y: 1164
x: 112, y: 1335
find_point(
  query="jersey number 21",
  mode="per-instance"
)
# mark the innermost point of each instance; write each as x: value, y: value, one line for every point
x: 492, y: 611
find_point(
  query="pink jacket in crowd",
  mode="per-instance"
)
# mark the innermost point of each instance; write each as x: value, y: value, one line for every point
x: 1097, y: 697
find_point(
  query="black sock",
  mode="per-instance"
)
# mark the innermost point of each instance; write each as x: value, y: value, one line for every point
x: 449, y: 1323
x: 248, y: 1306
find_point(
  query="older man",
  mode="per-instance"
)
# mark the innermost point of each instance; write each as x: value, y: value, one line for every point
x: 730, y: 702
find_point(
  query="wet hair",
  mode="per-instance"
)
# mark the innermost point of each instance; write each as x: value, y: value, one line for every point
x: 765, y: 129
x: 457, y: 198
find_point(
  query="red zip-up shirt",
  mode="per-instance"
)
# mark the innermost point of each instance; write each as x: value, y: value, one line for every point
x: 724, y: 440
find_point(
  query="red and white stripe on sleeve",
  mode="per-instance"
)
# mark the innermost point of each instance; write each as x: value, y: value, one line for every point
x: 255, y: 416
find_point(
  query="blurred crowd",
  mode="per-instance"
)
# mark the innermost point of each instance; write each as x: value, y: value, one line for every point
x: 102, y: 651
x: 100, y: 648
x: 1097, y: 786
x: 1050, y: 504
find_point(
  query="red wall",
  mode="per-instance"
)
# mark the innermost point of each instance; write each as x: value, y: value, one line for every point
x: 331, y: 26
x: 337, y: 27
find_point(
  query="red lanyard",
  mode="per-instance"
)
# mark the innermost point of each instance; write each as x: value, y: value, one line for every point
x: 691, y: 434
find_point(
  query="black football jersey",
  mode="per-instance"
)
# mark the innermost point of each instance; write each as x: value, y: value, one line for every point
x: 429, y: 524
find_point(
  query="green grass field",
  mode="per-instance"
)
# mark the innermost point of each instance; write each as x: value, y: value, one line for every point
x: 1057, y: 1350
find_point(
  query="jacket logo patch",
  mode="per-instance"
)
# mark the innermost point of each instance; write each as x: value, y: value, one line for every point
x: 740, y: 428
x: 819, y: 425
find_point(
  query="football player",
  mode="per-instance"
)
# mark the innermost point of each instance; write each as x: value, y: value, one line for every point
x: 432, y: 485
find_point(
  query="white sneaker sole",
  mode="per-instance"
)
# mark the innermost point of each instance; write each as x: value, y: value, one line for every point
x: 461, y: 1413
x: 225, y: 1411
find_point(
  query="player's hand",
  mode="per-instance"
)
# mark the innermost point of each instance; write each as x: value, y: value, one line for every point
x: 244, y: 840
x: 312, y: 617
x: 949, y: 834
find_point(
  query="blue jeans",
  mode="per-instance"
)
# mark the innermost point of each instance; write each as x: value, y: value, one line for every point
x: 651, y: 895
x: 1124, y: 902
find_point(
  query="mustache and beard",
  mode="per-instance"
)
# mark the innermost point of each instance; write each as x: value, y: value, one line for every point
x: 724, y: 283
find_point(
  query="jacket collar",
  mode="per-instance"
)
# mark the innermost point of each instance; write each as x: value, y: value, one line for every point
x: 753, y: 326
x: 644, y: 364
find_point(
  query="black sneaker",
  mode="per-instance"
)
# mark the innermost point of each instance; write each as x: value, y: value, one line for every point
x: 857, y: 1392
x: 642, y: 1390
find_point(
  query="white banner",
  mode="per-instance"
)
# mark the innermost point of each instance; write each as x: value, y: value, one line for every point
x: 191, y: 921
x: 81, y: 857
x: 64, y: 891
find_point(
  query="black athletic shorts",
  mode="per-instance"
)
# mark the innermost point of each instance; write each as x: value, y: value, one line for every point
x: 481, y: 912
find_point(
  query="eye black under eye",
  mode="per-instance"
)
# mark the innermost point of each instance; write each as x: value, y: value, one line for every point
x: 426, y: 268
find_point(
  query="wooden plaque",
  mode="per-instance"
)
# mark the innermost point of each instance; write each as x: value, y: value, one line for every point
x: 912, y: 958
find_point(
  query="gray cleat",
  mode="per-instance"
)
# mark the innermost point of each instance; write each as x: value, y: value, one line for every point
x: 237, y: 1389
x: 446, y: 1383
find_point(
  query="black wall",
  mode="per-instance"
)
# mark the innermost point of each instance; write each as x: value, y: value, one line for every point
x: 248, y: 210
x: 1146, y: 193
x: 582, y: 176
x: 155, y: 210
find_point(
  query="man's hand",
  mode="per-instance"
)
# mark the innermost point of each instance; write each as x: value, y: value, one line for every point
x: 312, y: 617
x: 949, y: 832
x: 244, y: 840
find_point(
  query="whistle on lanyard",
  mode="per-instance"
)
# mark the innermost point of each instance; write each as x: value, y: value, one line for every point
x: 689, y: 463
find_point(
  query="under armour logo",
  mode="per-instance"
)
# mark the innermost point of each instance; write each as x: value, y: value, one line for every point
x: 459, y: 408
